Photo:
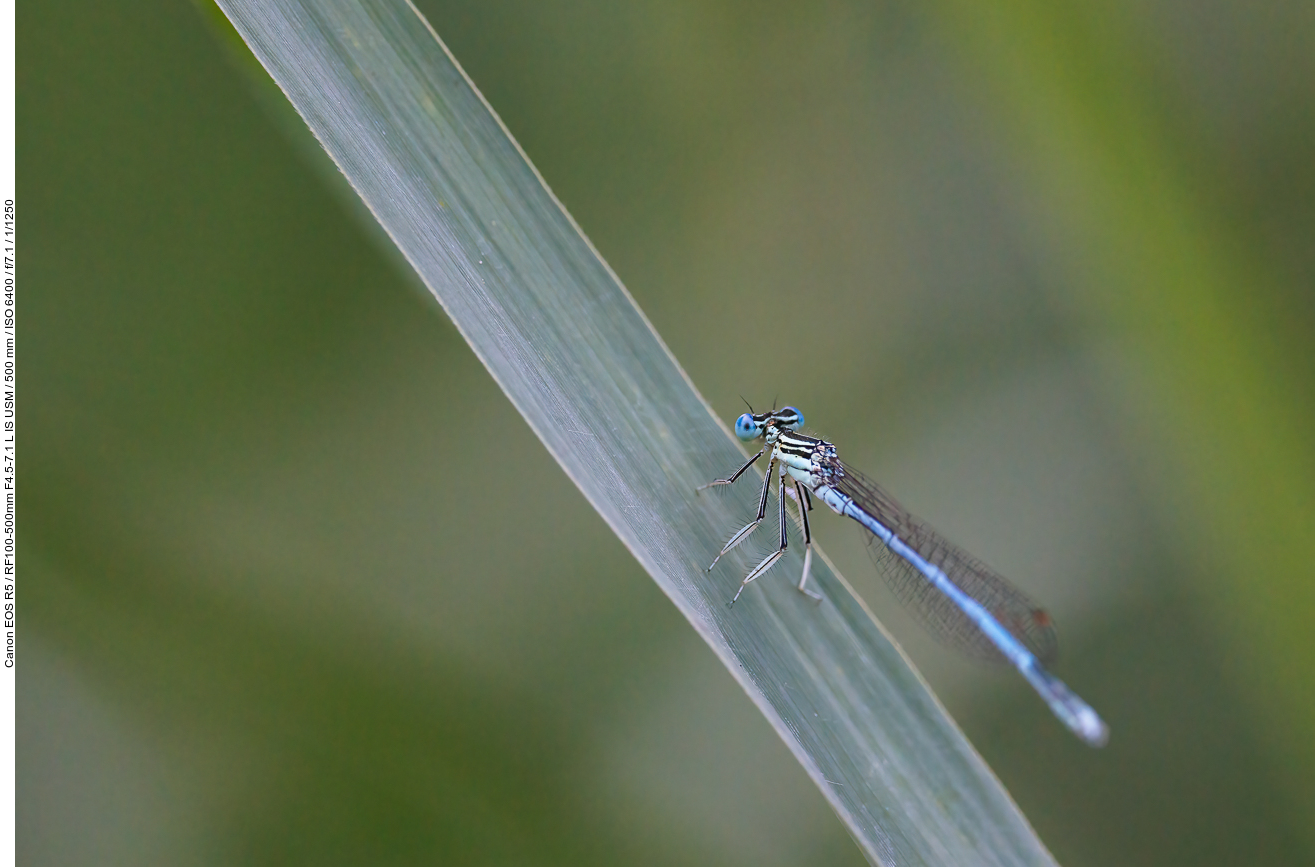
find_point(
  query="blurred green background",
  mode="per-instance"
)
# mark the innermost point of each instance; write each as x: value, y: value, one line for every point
x: 1045, y: 269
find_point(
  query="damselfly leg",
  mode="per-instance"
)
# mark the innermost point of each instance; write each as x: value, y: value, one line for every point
x: 804, y: 503
x: 735, y: 475
x: 762, y: 507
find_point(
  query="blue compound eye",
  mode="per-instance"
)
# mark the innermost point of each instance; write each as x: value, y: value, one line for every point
x: 791, y: 418
x: 746, y: 428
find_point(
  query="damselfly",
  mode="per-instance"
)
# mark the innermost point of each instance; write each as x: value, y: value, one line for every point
x: 957, y: 597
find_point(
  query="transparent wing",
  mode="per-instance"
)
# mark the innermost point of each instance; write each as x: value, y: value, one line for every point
x: 1028, y: 622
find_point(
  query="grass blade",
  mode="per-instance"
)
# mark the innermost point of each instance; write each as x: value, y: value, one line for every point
x: 578, y: 359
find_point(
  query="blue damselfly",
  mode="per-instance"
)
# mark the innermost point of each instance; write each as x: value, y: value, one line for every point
x: 957, y: 598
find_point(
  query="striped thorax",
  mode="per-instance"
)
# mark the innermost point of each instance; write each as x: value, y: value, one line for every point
x: 810, y: 460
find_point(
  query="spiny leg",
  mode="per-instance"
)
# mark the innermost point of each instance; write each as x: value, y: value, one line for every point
x: 735, y: 475
x: 801, y: 496
x: 762, y: 508
x: 777, y: 555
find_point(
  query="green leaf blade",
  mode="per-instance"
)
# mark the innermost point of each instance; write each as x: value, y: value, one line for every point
x: 578, y: 359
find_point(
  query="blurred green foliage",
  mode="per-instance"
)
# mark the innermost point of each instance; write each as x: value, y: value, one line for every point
x: 1044, y: 269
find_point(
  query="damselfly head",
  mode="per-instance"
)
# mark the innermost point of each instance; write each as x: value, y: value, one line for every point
x: 750, y: 426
